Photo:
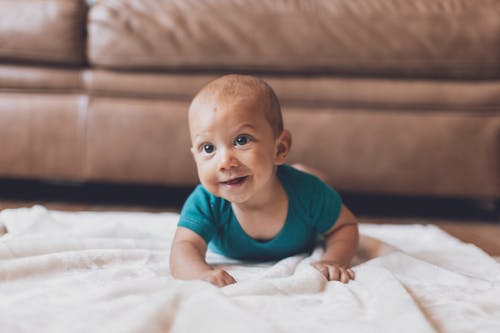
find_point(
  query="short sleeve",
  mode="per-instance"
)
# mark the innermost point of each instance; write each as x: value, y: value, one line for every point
x: 318, y: 202
x: 326, y: 203
x: 198, y: 213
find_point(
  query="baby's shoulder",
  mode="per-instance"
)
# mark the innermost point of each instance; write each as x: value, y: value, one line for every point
x: 295, y: 178
x: 303, y: 188
x: 313, y: 200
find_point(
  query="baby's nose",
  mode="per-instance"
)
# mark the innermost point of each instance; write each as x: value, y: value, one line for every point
x: 227, y: 160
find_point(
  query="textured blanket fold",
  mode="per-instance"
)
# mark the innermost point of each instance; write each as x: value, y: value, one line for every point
x: 108, y: 272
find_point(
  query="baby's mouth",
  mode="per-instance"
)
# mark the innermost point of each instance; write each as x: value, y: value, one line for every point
x: 235, y: 181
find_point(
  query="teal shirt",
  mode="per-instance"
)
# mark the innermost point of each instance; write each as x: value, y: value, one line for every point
x: 313, y: 208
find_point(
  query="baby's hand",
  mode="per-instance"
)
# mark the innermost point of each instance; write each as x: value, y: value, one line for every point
x: 218, y: 277
x: 333, y: 271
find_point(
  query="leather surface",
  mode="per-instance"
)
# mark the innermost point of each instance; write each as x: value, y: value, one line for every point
x: 42, y: 136
x: 415, y: 153
x: 424, y: 38
x: 432, y: 152
x: 49, y: 31
x: 313, y: 91
x: 385, y: 96
x: 158, y: 85
x: 387, y: 136
x: 41, y: 79
x: 148, y: 140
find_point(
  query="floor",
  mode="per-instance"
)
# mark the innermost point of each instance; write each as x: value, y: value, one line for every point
x: 485, y: 235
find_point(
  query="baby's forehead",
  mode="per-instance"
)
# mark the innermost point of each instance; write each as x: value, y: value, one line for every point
x: 212, y: 99
x: 234, y: 89
x: 247, y: 94
x: 229, y: 107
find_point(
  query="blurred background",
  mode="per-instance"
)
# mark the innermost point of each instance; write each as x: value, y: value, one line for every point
x: 397, y: 102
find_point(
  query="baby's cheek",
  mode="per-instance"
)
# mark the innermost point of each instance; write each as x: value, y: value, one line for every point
x: 204, y: 168
x: 208, y: 179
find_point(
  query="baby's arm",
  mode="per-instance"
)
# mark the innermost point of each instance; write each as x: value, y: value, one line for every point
x: 187, y: 260
x: 341, y: 243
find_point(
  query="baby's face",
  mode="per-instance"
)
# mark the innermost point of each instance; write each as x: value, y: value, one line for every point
x: 234, y: 148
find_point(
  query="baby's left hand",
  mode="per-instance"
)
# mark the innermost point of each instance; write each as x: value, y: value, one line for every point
x: 333, y: 271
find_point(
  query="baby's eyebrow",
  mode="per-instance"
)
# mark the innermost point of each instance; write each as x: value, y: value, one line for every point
x: 202, y: 134
x: 205, y: 136
x: 245, y: 126
x: 199, y: 138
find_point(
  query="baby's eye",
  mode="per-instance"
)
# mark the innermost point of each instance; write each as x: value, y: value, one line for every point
x: 207, y: 148
x: 242, y: 140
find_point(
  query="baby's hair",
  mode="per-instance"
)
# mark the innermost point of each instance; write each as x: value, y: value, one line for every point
x: 234, y: 85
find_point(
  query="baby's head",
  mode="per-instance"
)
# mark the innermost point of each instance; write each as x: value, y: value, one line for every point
x: 237, y: 136
x: 235, y: 88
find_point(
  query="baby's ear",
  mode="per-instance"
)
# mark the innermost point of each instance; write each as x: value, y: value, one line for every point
x: 283, y: 145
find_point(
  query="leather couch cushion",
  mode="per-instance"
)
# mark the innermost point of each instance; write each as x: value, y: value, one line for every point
x: 41, y: 79
x: 48, y: 31
x: 311, y: 91
x: 438, y: 152
x: 42, y: 135
x: 445, y: 38
x: 138, y: 140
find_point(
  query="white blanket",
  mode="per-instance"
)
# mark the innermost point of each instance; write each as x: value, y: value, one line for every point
x: 108, y: 272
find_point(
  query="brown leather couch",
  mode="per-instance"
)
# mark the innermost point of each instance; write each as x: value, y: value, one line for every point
x: 385, y: 96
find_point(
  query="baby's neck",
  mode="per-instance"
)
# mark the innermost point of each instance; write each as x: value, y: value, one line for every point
x: 269, y: 197
x: 265, y: 219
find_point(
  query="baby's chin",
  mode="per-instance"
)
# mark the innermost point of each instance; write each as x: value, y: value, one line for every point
x: 235, y: 196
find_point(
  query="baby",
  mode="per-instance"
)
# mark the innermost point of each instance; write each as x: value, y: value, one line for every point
x: 250, y: 204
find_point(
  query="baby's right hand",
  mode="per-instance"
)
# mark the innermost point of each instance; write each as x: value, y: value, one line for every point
x: 218, y: 277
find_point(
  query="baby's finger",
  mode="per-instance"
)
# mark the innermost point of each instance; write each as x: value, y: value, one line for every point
x: 333, y: 273
x: 218, y: 280
x: 228, y: 279
x: 351, y: 273
x: 211, y: 279
x: 324, y: 271
x: 344, y: 276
